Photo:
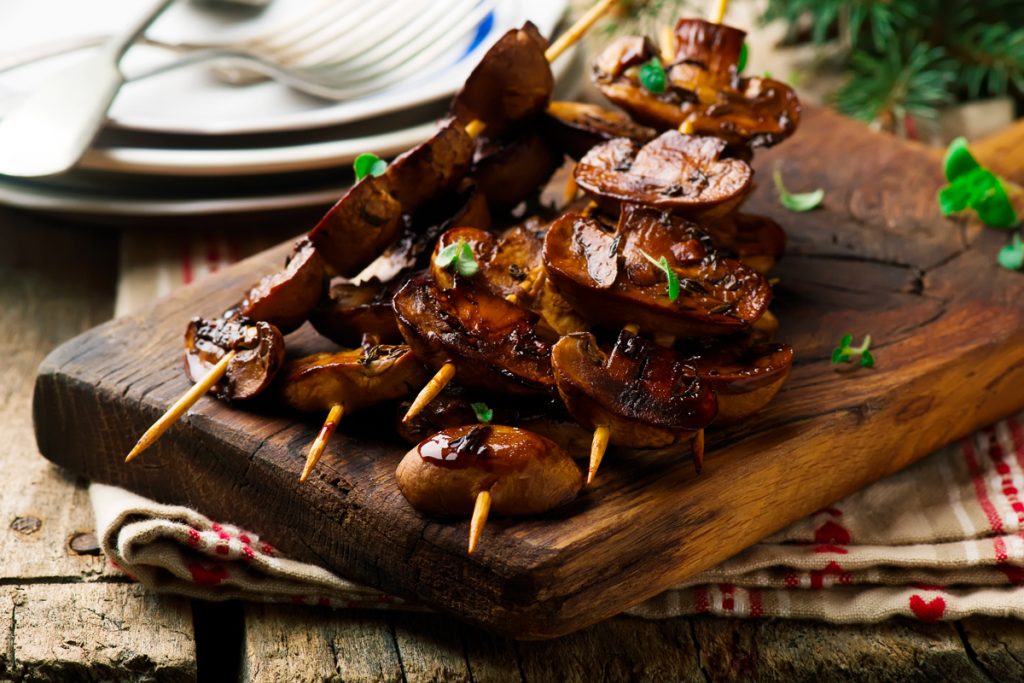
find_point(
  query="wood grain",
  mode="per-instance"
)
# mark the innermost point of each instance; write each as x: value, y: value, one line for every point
x: 878, y: 259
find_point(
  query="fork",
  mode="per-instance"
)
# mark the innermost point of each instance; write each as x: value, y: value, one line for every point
x: 315, y: 55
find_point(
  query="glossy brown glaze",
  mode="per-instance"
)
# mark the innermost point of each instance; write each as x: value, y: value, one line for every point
x: 674, y: 172
x: 286, y: 298
x: 509, y: 171
x: 577, y: 127
x: 745, y: 377
x: 372, y: 214
x: 492, y: 342
x: 258, y: 347
x: 717, y: 295
x: 526, y: 474
x: 757, y: 241
x: 704, y: 90
x: 351, y: 313
x: 355, y: 379
x: 646, y: 394
x: 512, y: 82
x: 511, y: 266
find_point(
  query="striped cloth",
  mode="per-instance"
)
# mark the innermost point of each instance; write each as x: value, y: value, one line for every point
x: 943, y: 539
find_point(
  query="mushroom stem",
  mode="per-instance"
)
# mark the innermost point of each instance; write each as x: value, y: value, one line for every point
x: 698, y: 451
x: 476, y: 524
x: 434, y: 387
x: 181, y: 406
x: 597, y: 448
x: 667, y: 44
x: 317, y: 449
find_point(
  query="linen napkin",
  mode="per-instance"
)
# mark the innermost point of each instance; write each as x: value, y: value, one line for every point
x: 943, y: 539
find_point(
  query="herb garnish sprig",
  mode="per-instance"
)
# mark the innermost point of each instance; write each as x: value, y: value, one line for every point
x: 652, y: 76
x: 972, y: 186
x: 1011, y: 256
x: 460, y: 255
x: 845, y: 352
x: 483, y: 412
x: 670, y: 275
x: 368, y: 164
x: 799, y: 202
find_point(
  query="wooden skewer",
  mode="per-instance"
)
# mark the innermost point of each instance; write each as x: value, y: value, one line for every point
x: 597, y: 448
x: 576, y: 31
x: 667, y: 44
x: 181, y: 406
x: 476, y: 524
x: 317, y: 449
x: 698, y: 451
x: 434, y: 387
x: 719, y: 14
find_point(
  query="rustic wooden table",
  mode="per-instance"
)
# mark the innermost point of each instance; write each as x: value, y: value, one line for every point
x: 66, y: 614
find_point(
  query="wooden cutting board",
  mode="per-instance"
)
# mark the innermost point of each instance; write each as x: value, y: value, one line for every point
x: 878, y: 258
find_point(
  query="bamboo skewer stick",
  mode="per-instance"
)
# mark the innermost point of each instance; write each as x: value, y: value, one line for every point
x: 181, y: 406
x: 576, y: 31
x: 597, y: 448
x: 434, y: 387
x: 476, y: 525
x: 317, y: 449
x: 719, y: 13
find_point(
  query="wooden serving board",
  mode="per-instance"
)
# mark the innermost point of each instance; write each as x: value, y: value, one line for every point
x: 878, y: 258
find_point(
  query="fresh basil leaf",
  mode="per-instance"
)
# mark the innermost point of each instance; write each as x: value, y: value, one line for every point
x: 1011, y: 256
x: 483, y: 413
x: 741, y: 64
x: 959, y: 160
x: 652, y: 76
x: 800, y: 202
x: 445, y: 257
x: 368, y: 164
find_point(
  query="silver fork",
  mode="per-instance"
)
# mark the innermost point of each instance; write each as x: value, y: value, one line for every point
x: 321, y: 60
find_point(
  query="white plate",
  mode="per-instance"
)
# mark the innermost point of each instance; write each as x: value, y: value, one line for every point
x: 190, y: 101
x: 332, y: 153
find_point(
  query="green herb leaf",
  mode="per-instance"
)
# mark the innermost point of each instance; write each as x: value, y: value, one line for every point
x: 446, y: 256
x: 797, y: 202
x: 959, y: 160
x: 741, y: 64
x: 465, y: 262
x: 483, y: 413
x: 845, y: 352
x: 652, y: 76
x: 368, y: 164
x: 670, y: 275
x: 994, y: 207
x: 1011, y: 256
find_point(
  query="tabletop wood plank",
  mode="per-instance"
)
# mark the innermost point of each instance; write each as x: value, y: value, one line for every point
x: 57, y: 280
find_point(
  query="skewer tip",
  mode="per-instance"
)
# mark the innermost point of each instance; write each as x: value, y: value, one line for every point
x: 317, y: 449
x: 429, y: 392
x: 597, y: 448
x: 476, y: 525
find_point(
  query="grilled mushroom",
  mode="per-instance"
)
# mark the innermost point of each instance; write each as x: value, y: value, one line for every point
x: 577, y: 127
x: 258, y: 347
x: 286, y: 298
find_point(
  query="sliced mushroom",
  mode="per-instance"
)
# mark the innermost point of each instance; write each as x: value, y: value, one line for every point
x: 258, y: 347
x: 757, y: 241
x: 355, y: 379
x: 372, y: 214
x: 674, y: 172
x: 525, y: 473
x: 744, y: 377
x: 647, y: 395
x: 717, y: 296
x: 285, y: 299
x: 509, y: 171
x: 577, y: 127
x: 352, y: 313
x: 704, y: 91
x: 492, y: 343
x: 512, y: 82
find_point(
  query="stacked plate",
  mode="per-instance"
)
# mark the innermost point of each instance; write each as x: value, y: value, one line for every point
x: 185, y: 142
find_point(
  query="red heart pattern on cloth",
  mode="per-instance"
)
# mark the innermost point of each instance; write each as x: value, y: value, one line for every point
x: 931, y: 610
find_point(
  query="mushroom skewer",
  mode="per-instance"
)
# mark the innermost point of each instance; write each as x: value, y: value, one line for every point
x: 471, y: 470
x: 345, y: 382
